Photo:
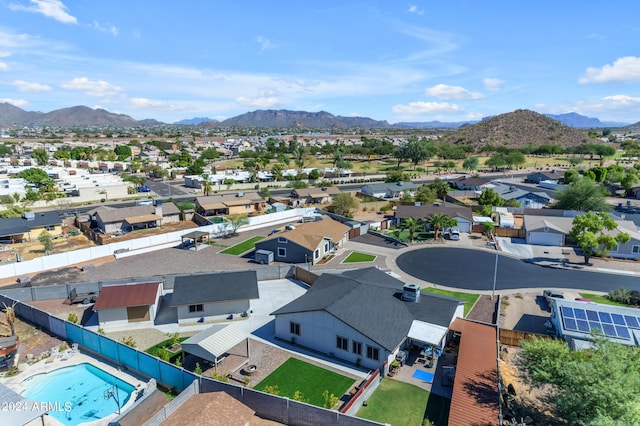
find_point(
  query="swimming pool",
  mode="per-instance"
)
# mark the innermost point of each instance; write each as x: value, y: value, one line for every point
x: 79, y: 393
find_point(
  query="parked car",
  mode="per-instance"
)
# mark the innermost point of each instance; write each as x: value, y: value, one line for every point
x: 144, y: 188
x: 453, y: 234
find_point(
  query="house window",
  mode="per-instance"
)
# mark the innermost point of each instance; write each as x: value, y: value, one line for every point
x: 247, y: 207
x: 356, y: 348
x: 196, y: 308
x: 282, y: 240
x: 635, y: 249
x: 316, y: 253
x: 294, y: 328
x: 282, y: 252
x: 342, y: 343
x: 615, y: 249
x: 326, y: 248
x: 50, y: 227
x: 373, y: 353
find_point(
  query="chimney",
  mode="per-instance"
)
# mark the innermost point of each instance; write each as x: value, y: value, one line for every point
x: 158, y: 209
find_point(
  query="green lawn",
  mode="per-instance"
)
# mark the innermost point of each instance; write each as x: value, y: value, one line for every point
x: 355, y: 257
x: 396, y: 403
x: 468, y: 297
x: 597, y: 298
x: 242, y: 247
x: 295, y: 375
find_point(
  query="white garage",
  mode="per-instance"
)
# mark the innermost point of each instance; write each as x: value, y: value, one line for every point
x: 545, y: 238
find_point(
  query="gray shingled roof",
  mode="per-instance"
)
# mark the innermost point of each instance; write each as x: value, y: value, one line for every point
x: 368, y: 300
x: 220, y: 287
x: 20, y: 225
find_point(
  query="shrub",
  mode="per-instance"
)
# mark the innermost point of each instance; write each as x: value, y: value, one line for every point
x: 329, y: 399
x: 128, y: 340
x: 73, y: 318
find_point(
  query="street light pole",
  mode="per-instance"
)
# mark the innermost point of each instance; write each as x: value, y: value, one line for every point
x: 495, y: 276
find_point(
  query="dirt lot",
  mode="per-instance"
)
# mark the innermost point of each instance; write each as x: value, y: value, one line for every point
x: 32, y: 339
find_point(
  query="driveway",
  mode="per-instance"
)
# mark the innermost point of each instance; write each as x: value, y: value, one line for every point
x: 516, y: 246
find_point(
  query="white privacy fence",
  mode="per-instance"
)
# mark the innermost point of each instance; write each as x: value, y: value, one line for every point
x: 141, y: 245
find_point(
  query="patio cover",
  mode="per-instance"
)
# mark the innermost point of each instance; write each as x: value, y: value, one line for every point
x: 213, y: 342
x: 143, y: 218
x: 428, y: 333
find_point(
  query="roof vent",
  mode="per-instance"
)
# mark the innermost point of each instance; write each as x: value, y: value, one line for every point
x: 240, y: 194
x: 411, y: 293
x: 29, y: 215
x: 324, y: 188
x: 400, y: 183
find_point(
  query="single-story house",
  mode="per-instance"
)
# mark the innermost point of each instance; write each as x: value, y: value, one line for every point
x: 389, y: 189
x: 128, y: 303
x: 471, y: 183
x: 539, y: 176
x: 547, y: 230
x: 315, y: 195
x: 306, y: 242
x: 250, y: 202
x: 28, y: 227
x: 527, y: 199
x: 362, y: 316
x: 462, y: 214
x: 475, y: 399
x: 114, y: 219
x: 574, y: 320
x: 199, y: 298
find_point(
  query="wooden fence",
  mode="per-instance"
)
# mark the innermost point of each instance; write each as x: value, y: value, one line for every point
x: 305, y: 276
x: 514, y: 337
x: 510, y: 232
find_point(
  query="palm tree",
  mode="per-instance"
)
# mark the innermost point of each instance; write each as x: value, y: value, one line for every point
x: 206, y: 185
x: 412, y: 225
x: 441, y: 221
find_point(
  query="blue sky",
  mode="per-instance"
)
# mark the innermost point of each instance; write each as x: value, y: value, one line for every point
x: 389, y: 60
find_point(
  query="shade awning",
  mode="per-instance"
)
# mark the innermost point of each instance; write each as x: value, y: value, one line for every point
x: 141, y: 219
x: 195, y: 234
x: 213, y: 342
x: 428, y: 333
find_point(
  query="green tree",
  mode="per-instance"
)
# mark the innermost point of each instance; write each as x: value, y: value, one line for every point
x: 41, y: 156
x: 440, y: 221
x: 412, y: 225
x: 440, y: 187
x: 596, y: 386
x: 206, y: 185
x: 122, y: 151
x: 343, y: 203
x: 470, y: 163
x: 62, y: 154
x: 425, y: 194
x: 570, y: 176
x: 589, y: 233
x: 629, y: 180
x: 396, y: 176
x: 5, y: 150
x: 46, y: 240
x: 489, y: 197
x: 236, y: 220
x: 401, y: 154
x: 582, y: 195
x: 329, y: 399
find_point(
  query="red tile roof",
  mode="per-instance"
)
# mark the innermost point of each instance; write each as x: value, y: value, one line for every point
x: 120, y: 296
x: 475, y: 399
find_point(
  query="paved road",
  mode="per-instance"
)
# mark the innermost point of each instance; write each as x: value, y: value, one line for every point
x: 474, y: 270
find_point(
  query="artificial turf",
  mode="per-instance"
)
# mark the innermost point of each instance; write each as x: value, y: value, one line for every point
x: 242, y: 247
x: 355, y: 257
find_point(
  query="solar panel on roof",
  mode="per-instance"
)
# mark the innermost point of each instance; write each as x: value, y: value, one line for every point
x: 567, y: 311
x: 618, y: 319
x: 632, y: 321
x: 580, y: 314
x: 593, y: 316
x: 570, y: 324
x: 605, y: 317
x: 623, y: 332
x: 595, y: 326
x: 609, y: 330
x: 583, y: 326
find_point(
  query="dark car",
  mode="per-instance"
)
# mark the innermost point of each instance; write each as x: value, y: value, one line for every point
x: 144, y: 188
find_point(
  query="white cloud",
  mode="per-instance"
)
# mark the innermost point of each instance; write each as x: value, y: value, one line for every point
x: 265, y: 43
x: 4, y: 54
x: 493, y: 84
x: 54, y: 9
x: 104, y: 28
x: 421, y: 108
x: 475, y: 116
x: 625, y: 70
x: 4, y: 66
x: 145, y: 103
x: 415, y: 9
x: 446, y: 92
x: 92, y: 88
x: 259, y: 102
x: 15, y: 102
x: 26, y: 86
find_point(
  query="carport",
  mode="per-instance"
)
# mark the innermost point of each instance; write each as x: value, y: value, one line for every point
x: 196, y: 237
x: 211, y: 344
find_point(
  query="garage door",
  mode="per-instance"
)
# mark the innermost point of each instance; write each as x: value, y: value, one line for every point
x: 138, y: 313
x: 545, y: 239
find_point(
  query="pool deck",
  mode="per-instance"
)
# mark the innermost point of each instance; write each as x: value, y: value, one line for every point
x: 70, y: 358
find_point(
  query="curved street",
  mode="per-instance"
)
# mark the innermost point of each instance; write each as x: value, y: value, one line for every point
x: 474, y: 270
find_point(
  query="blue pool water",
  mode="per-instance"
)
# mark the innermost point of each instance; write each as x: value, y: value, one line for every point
x: 78, y: 393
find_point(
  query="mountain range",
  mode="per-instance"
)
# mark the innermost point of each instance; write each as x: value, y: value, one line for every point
x: 81, y: 116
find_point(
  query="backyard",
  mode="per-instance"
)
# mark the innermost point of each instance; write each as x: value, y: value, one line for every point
x: 399, y: 404
x: 243, y: 247
x: 467, y: 297
x: 308, y: 381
